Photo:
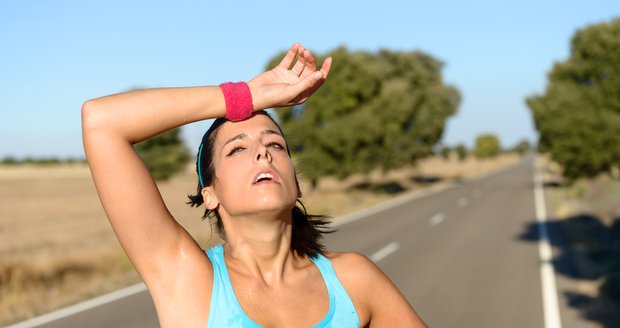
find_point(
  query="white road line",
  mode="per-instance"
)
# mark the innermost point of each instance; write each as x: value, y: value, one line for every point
x: 384, y: 252
x: 462, y: 202
x: 77, y: 308
x: 547, y: 274
x: 437, y: 218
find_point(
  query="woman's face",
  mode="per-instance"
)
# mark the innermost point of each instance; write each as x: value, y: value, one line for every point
x: 253, y: 172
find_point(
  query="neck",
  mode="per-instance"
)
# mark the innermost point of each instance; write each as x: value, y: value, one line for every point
x: 259, y: 245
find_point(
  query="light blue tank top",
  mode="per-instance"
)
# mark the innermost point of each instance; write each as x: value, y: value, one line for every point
x: 227, y: 312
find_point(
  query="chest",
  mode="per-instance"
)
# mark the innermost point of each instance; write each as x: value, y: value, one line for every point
x: 298, y: 302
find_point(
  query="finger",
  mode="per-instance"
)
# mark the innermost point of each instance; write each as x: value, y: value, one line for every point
x: 310, y: 64
x: 290, y: 56
x: 300, y: 64
x: 326, y: 67
x: 304, y: 85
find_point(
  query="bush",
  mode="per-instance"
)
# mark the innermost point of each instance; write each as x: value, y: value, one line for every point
x: 461, y: 151
x: 487, y: 146
x: 164, y: 154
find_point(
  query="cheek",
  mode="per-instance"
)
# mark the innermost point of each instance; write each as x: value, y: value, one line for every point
x: 289, y: 173
x: 227, y: 175
x: 221, y: 179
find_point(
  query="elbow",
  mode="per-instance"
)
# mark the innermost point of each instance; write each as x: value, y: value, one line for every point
x: 90, y: 116
x: 94, y: 125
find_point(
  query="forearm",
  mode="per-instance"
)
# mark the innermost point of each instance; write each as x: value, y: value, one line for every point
x: 138, y: 115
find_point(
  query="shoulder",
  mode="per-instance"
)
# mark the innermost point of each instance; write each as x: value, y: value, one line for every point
x: 356, y: 273
x: 354, y: 266
x: 364, y: 281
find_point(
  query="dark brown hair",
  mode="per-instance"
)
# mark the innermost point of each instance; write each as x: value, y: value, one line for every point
x: 307, y: 230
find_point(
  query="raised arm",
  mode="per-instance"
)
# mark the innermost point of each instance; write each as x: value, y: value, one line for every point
x: 112, y: 124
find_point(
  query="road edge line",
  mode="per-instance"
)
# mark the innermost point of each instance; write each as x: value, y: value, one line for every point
x: 80, y: 307
x: 551, y: 309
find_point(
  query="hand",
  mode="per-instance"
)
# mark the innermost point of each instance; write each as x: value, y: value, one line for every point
x: 287, y: 86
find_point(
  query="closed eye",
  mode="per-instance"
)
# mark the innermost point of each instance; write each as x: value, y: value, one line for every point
x: 276, y: 145
x: 234, y: 151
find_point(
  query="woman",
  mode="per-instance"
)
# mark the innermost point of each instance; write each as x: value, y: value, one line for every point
x: 256, y: 277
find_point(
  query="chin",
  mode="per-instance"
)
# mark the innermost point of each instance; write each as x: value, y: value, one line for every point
x: 272, y: 204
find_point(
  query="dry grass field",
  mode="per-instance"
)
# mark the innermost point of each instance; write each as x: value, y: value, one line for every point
x: 57, y: 248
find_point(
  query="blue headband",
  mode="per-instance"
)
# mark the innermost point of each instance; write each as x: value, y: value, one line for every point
x: 199, y: 170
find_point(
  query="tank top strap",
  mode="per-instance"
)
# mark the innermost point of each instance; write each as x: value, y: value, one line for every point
x: 342, y: 311
x: 225, y: 308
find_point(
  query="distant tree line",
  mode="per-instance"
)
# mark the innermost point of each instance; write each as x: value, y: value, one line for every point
x: 11, y: 160
x: 578, y: 116
x: 486, y: 146
x: 164, y: 155
x: 460, y: 150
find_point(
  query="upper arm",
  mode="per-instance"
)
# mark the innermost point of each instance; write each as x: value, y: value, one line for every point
x: 380, y: 301
x: 145, y: 228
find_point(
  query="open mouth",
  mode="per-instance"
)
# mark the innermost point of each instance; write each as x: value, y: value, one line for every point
x: 264, y: 177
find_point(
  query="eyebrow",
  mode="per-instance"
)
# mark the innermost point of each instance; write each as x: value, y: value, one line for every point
x: 268, y: 132
x: 237, y: 137
x: 243, y: 135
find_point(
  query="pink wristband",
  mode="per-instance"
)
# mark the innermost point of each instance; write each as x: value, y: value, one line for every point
x: 238, y: 100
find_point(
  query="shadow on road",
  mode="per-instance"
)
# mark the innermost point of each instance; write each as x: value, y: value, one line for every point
x: 588, y: 251
x: 396, y: 187
x: 390, y: 188
x: 425, y: 179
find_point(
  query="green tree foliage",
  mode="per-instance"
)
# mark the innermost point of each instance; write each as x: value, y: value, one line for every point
x: 578, y: 116
x: 445, y: 152
x: 522, y: 147
x: 487, y: 146
x: 164, y: 154
x: 9, y: 160
x: 377, y: 110
x: 461, y: 151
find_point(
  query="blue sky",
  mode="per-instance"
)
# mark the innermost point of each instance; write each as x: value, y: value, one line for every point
x: 54, y: 55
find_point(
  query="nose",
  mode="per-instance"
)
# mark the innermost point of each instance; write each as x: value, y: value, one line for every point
x: 263, y: 154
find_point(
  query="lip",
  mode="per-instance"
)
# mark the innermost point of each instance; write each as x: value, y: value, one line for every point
x: 275, y: 178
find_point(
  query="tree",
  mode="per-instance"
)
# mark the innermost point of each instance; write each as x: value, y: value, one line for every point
x: 164, y: 154
x: 461, y: 151
x: 445, y: 151
x: 578, y: 116
x: 487, y: 146
x: 377, y: 110
x: 522, y: 147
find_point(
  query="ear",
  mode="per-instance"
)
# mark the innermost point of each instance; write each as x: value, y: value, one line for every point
x: 209, y: 198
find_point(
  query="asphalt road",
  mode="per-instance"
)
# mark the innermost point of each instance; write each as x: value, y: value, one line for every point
x: 464, y: 257
x: 460, y: 259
